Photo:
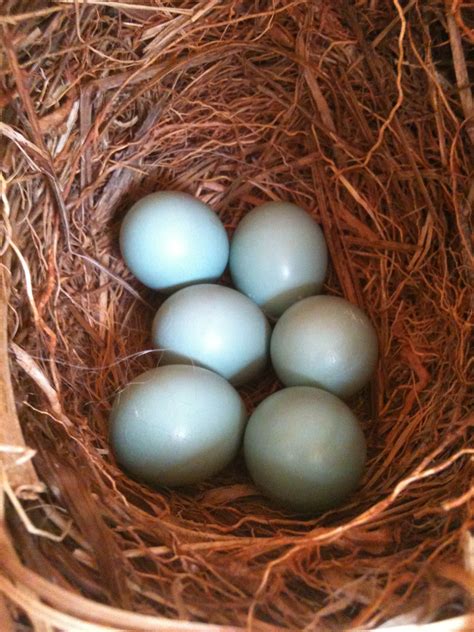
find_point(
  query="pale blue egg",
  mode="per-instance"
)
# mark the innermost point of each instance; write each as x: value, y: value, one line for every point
x: 176, y: 425
x: 325, y: 341
x: 278, y: 256
x: 215, y: 327
x: 305, y: 449
x: 171, y: 239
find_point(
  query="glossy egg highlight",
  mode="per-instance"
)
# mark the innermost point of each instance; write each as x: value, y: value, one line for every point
x: 327, y: 342
x: 176, y: 425
x: 278, y: 256
x: 215, y: 327
x: 305, y: 449
x: 171, y: 239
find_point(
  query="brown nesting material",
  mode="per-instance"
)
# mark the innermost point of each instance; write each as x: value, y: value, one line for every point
x: 360, y: 112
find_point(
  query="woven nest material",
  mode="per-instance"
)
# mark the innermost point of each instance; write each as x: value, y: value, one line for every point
x: 360, y: 112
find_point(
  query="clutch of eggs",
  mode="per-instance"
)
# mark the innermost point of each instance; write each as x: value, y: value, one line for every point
x: 183, y: 421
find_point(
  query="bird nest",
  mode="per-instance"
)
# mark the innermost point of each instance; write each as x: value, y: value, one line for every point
x: 361, y: 113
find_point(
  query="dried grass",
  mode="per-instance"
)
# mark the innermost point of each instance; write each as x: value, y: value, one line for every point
x: 361, y: 112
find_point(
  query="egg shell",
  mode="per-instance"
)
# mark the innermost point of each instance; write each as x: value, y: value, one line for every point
x: 171, y: 239
x: 215, y: 327
x: 325, y: 341
x: 305, y: 449
x: 176, y: 425
x: 278, y: 255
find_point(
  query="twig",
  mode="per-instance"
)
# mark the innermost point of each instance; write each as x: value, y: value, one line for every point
x: 24, y: 17
x: 462, y: 76
x: 36, y: 374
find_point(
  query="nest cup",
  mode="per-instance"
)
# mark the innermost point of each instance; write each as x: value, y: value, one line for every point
x: 358, y: 112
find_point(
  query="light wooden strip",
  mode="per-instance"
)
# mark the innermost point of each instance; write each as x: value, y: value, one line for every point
x: 10, y: 431
x: 130, y: 6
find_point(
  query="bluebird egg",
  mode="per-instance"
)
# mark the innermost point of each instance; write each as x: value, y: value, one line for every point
x: 278, y: 256
x: 171, y: 239
x: 176, y: 425
x: 305, y: 449
x: 325, y: 341
x: 215, y: 327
